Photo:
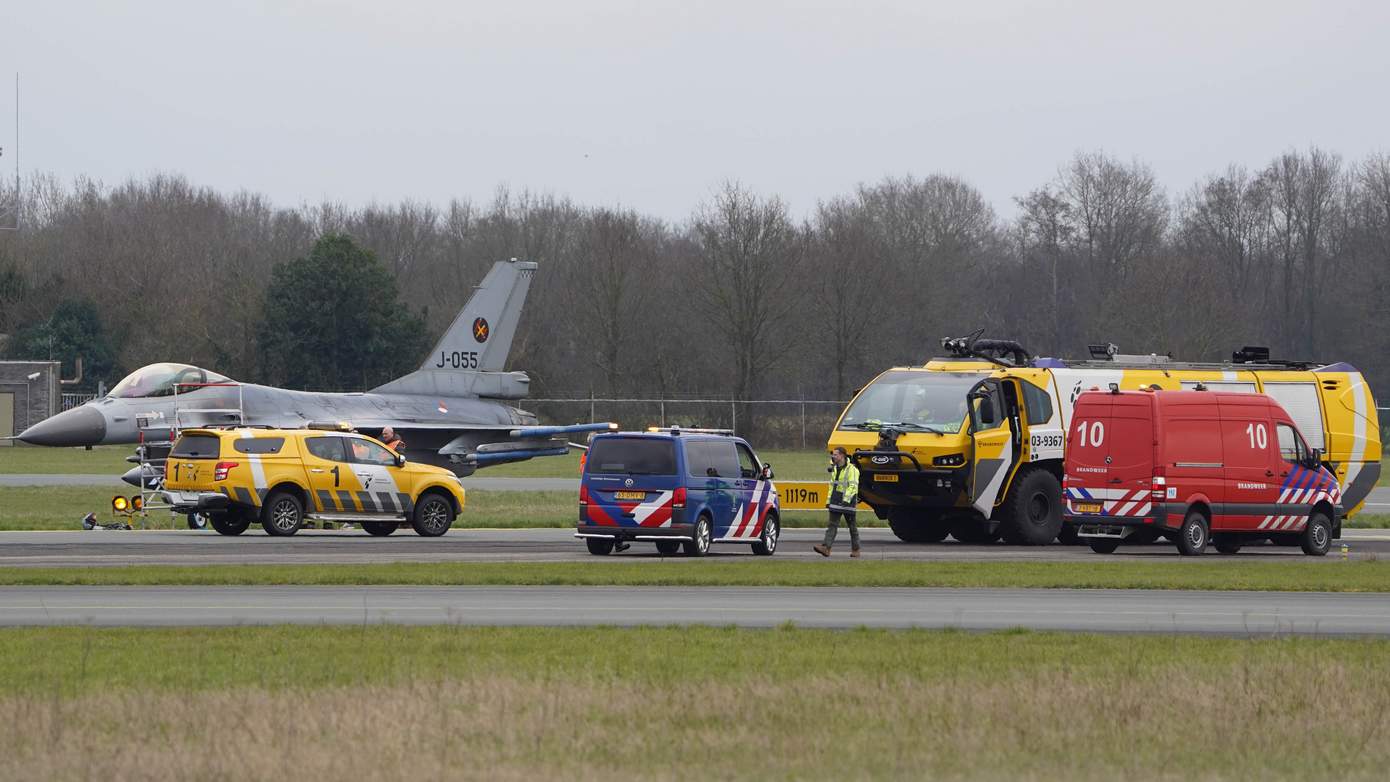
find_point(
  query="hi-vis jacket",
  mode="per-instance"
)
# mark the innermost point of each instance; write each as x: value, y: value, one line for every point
x: 844, y: 488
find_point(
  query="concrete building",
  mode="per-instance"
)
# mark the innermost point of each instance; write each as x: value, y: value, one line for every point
x: 29, y: 393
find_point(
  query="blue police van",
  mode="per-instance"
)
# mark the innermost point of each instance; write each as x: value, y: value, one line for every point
x: 682, y: 489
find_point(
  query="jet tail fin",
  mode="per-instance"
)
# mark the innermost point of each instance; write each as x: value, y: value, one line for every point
x: 481, y: 336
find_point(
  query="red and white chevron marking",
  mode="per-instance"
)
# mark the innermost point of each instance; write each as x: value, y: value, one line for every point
x: 748, y: 521
x: 1309, y: 497
x: 1115, y: 502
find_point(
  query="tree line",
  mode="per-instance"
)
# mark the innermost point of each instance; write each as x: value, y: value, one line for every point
x: 742, y: 299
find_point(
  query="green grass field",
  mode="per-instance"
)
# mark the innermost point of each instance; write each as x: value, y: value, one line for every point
x: 1297, y: 575
x: 384, y: 702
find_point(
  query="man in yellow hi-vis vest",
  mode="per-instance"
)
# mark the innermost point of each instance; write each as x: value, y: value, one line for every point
x: 844, y: 495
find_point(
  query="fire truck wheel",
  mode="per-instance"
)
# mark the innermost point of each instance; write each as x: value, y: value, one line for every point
x: 1103, y: 545
x: 599, y: 546
x: 668, y: 548
x: 1032, y: 513
x: 1193, y: 535
x: 918, y: 526
x: 973, y: 530
x: 1068, y: 536
x: 1317, y: 536
x: 228, y: 523
x: 1226, y: 544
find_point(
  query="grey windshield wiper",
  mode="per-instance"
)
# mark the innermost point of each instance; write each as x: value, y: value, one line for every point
x: 922, y: 427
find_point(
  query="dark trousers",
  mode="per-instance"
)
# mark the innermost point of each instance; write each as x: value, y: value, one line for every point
x: 834, y: 528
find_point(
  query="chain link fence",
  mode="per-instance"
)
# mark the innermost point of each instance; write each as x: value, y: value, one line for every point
x: 769, y: 423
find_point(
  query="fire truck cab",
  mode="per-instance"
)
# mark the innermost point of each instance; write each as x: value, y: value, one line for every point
x: 1197, y: 466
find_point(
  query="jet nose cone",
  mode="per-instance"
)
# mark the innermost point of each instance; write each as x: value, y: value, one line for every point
x: 80, y: 426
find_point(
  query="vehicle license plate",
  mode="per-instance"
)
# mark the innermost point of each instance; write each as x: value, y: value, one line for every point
x: 629, y: 495
x: 886, y: 478
x: 1087, y: 507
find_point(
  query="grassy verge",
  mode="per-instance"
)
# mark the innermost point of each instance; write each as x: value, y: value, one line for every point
x: 102, y: 459
x: 1298, y: 576
x: 526, y: 703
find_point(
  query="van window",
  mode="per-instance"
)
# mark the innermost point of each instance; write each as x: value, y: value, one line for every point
x: 1291, y: 447
x: 631, y: 456
x: 253, y: 445
x: 747, y: 465
x: 329, y: 449
x: 197, y: 446
x: 1038, y: 403
x: 711, y: 459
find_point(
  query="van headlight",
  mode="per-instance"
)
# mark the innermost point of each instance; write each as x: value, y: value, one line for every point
x: 949, y: 460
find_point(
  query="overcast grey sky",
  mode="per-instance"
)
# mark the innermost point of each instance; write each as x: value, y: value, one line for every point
x: 651, y: 104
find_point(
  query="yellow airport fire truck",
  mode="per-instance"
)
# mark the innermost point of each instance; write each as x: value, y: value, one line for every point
x: 971, y: 444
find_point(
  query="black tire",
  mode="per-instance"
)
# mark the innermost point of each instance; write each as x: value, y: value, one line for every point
x: 433, y: 515
x: 703, y: 534
x: 767, y: 542
x: 1032, y: 513
x: 1226, y: 544
x: 599, y: 546
x: 1287, y: 539
x: 1103, y: 545
x: 282, y: 515
x: 1317, y: 536
x: 912, y: 525
x: 974, y: 531
x: 666, y: 548
x: 229, y: 523
x: 1068, y: 536
x: 1194, y: 535
x: 380, y: 528
x: 197, y: 521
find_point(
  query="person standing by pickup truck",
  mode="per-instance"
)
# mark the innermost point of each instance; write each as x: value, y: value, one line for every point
x: 844, y: 496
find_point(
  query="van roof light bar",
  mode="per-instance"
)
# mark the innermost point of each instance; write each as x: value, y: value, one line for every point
x: 677, y: 430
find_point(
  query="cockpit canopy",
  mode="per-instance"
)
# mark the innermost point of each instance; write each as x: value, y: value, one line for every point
x: 160, y: 379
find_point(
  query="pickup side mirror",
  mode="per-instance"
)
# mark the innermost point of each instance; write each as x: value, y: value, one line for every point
x: 767, y: 472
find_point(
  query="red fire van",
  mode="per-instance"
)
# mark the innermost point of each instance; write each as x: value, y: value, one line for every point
x: 1197, y: 466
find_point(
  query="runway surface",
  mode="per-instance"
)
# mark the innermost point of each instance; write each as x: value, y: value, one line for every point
x: 189, y: 547
x: 1122, y: 611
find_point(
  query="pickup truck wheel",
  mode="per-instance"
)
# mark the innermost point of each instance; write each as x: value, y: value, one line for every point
x: 698, y: 546
x: 282, y: 515
x: 1226, y: 544
x: 228, y: 524
x: 1193, y: 536
x: 599, y: 546
x: 767, y: 542
x: 1317, y: 536
x: 433, y: 516
x: 1103, y: 545
x: 379, y: 528
x: 1032, y: 513
x: 666, y: 548
x: 197, y: 521
x: 918, y: 526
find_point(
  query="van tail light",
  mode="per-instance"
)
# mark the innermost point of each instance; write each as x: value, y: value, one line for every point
x: 219, y: 473
x: 583, y: 494
x: 583, y: 459
x: 1159, y: 485
x: 678, y: 498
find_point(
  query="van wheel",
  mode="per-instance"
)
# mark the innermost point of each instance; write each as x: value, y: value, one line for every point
x: 666, y: 548
x: 599, y: 546
x: 974, y: 531
x: 228, y: 523
x: 1317, y: 536
x: 911, y: 525
x: 767, y: 542
x: 282, y: 514
x: 1103, y: 545
x: 1226, y: 544
x: 1193, y: 535
x: 433, y: 516
x: 1142, y: 537
x: 379, y: 528
x: 1032, y: 513
x: 698, y: 546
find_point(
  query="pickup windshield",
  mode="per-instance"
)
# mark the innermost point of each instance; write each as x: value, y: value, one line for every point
x: 914, y: 401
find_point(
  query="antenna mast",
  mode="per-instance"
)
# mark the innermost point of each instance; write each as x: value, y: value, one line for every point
x: 16, y: 205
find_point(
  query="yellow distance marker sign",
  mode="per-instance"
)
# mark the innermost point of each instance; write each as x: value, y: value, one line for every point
x: 807, y: 495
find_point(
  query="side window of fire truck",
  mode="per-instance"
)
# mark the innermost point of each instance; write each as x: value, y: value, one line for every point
x: 1291, y: 448
x: 1037, y: 402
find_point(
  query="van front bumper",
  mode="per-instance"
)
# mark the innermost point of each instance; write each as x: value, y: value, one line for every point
x: 672, y: 532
